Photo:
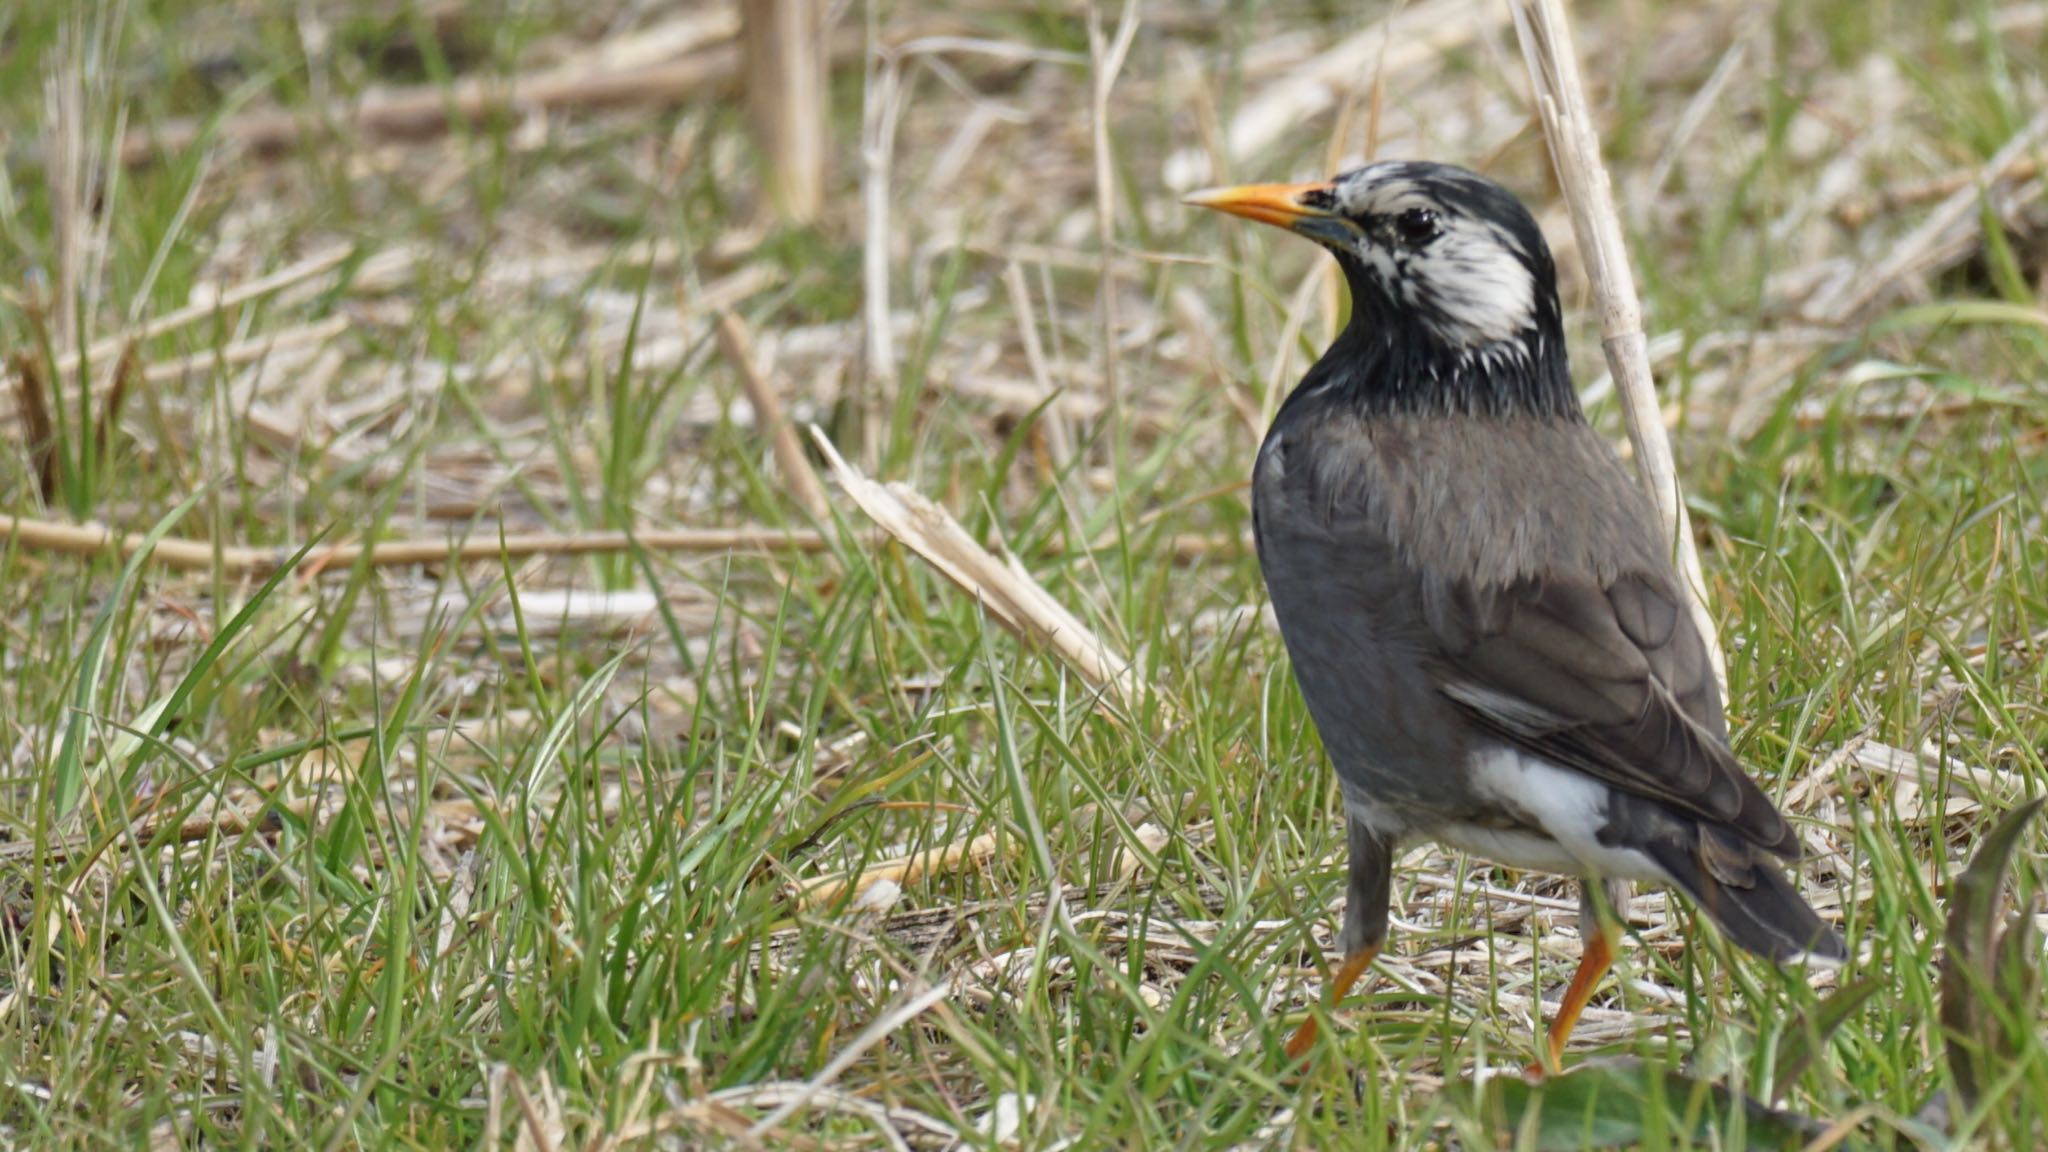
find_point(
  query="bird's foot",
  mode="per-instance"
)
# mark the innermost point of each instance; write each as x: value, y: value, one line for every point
x: 1354, y: 966
x: 1593, y: 964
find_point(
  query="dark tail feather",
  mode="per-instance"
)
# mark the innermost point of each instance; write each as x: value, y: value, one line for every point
x: 1743, y: 891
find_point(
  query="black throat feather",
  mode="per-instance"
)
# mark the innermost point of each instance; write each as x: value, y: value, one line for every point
x: 1390, y: 361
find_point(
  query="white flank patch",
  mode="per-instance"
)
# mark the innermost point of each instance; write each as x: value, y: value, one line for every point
x: 1569, y: 807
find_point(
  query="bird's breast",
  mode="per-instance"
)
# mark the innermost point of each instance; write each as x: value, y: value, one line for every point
x: 1488, y: 499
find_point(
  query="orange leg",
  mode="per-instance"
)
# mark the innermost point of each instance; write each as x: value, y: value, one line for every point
x: 1598, y: 957
x: 1354, y: 966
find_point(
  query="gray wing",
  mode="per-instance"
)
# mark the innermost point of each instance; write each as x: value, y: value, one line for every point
x: 1613, y: 681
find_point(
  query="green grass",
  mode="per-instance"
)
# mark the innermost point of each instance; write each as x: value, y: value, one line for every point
x: 510, y: 875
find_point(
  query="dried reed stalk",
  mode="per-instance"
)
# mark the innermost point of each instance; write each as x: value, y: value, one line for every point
x: 1106, y: 58
x: 1059, y: 434
x: 804, y: 485
x: 880, y: 104
x: 665, y: 67
x: 1002, y: 588
x: 885, y: 1025
x: 301, y: 341
x: 69, y: 176
x: 1545, y: 34
x: 224, y: 821
x: 783, y: 42
x: 39, y: 434
x: 1950, y: 230
x: 427, y: 110
x: 1856, y: 213
x: 188, y: 555
x: 241, y: 560
x: 212, y: 303
x: 940, y: 859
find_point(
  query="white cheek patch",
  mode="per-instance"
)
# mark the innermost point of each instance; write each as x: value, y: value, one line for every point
x: 1377, y: 259
x: 1470, y: 286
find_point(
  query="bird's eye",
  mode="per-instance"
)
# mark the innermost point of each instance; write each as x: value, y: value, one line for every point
x: 1417, y: 226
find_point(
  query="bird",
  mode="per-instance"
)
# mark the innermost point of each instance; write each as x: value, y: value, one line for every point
x: 1479, y: 604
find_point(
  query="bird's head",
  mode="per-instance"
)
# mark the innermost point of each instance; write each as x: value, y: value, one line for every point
x: 1448, y: 271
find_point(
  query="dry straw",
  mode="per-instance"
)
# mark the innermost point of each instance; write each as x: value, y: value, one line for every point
x: 244, y: 560
x: 1001, y: 586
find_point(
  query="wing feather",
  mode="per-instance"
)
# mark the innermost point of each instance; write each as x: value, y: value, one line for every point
x: 1613, y: 681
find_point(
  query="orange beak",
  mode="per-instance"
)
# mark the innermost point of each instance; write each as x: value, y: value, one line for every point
x: 1277, y: 204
